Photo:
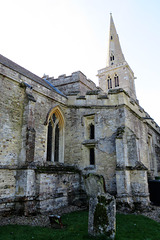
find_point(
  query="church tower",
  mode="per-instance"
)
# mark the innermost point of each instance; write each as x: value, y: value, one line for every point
x: 117, y: 73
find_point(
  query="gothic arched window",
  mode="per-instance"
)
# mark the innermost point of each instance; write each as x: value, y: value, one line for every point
x: 55, y: 136
x: 116, y: 80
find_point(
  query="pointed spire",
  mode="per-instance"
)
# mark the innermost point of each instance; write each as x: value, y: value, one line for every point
x: 115, y: 54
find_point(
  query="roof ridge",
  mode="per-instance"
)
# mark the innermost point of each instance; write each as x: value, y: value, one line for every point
x: 14, y: 66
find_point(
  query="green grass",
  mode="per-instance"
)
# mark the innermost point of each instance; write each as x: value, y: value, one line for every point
x: 129, y: 227
x: 137, y: 227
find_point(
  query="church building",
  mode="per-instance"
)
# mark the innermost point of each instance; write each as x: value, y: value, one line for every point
x: 53, y: 131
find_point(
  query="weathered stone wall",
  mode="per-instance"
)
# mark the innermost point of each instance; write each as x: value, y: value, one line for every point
x: 106, y: 117
x: 147, y: 135
x: 24, y: 189
x: 41, y: 190
x: 113, y: 115
x: 135, y: 149
x: 7, y: 189
x: 11, y: 111
x: 76, y: 82
x: 122, y: 137
x: 23, y: 113
x: 58, y: 188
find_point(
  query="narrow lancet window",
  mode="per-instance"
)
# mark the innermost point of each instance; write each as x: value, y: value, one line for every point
x: 92, y: 157
x: 49, y: 142
x: 91, y: 131
x: 109, y: 82
x: 116, y: 79
x: 56, y: 147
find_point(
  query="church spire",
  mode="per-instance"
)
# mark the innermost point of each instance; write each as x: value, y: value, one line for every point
x: 115, y: 54
x: 117, y: 73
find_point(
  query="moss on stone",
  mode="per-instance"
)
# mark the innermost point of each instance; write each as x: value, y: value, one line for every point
x: 100, y: 218
x: 103, y: 200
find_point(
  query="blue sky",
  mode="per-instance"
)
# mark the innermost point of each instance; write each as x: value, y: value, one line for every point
x: 62, y: 36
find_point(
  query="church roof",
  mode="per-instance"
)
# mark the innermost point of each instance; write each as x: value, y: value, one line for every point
x: 12, y: 65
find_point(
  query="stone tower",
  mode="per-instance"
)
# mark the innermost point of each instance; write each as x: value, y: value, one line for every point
x: 117, y: 73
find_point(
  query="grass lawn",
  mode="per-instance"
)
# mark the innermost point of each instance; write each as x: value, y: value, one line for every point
x: 129, y: 227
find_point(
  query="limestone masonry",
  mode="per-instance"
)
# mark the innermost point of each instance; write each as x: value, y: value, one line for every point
x: 53, y: 131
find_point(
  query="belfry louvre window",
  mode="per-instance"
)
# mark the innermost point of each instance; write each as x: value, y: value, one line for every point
x: 116, y: 80
x: 112, y: 58
x: 109, y: 81
x: 55, y: 135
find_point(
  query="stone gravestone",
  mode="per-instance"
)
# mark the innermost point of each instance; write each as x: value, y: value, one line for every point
x: 102, y: 207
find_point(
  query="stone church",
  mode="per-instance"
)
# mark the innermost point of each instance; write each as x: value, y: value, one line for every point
x: 53, y: 131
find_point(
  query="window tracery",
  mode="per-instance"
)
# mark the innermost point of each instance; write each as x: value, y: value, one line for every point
x: 55, y: 136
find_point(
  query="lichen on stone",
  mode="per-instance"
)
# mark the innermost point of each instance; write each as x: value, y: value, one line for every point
x: 103, y: 200
x: 100, y: 218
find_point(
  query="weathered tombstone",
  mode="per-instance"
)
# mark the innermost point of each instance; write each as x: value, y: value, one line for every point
x: 102, y: 207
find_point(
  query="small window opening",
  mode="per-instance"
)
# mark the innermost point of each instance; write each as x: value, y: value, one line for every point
x: 91, y: 131
x: 116, y: 79
x: 56, y: 149
x: 92, y: 157
x: 111, y: 37
x: 111, y: 58
x: 49, y: 142
x: 109, y: 82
